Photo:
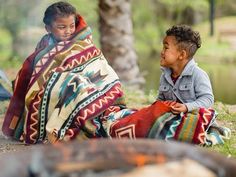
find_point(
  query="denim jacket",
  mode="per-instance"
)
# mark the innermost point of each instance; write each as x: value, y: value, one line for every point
x: 193, y: 87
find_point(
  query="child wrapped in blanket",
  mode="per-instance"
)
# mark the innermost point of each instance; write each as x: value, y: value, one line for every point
x: 63, y: 84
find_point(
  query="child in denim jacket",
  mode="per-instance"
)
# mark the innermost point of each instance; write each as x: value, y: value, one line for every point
x: 182, y: 80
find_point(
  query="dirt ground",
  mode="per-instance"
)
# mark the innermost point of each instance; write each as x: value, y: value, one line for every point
x: 8, y: 145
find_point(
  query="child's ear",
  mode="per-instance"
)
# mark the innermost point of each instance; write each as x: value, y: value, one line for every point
x: 183, y: 54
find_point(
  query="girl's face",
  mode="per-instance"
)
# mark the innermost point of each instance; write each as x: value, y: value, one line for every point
x: 62, y: 28
x: 170, y: 53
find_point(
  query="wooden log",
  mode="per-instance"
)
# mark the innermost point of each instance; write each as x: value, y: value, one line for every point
x: 103, y: 155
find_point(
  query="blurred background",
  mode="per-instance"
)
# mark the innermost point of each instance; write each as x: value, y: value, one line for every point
x: 21, y: 28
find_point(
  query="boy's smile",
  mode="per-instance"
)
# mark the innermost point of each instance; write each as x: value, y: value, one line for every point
x: 62, y: 28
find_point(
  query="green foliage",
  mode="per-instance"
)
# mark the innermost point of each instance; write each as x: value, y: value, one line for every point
x: 227, y: 7
x: 5, y: 52
x: 11, y: 17
x: 89, y: 11
x: 175, y: 10
x: 217, y: 47
x: 141, y: 16
x: 5, y: 44
x: 149, y: 36
x: 183, y: 3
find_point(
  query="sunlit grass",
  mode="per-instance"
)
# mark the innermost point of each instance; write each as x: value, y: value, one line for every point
x: 227, y: 119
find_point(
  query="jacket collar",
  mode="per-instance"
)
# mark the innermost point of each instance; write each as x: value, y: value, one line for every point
x: 188, y: 69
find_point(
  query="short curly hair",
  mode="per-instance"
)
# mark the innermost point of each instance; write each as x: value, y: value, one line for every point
x: 58, y: 9
x: 186, y: 38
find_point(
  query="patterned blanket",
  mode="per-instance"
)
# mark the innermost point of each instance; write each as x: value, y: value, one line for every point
x: 67, y: 90
x: 156, y: 121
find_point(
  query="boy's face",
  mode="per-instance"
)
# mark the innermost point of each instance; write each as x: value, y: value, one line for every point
x: 170, y: 53
x: 62, y: 28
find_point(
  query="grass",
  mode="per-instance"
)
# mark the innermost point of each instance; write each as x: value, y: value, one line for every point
x: 226, y: 118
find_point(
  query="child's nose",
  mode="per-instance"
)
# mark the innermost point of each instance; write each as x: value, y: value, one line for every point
x: 162, y: 52
x: 68, y: 30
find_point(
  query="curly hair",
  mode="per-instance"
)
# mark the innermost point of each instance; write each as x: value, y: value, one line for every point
x: 186, y: 38
x: 58, y: 9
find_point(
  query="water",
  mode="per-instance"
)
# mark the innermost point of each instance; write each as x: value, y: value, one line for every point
x: 222, y: 76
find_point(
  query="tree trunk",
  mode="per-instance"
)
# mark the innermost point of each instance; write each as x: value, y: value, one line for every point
x: 117, y: 40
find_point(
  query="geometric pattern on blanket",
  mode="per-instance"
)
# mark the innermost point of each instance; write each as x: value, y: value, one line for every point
x: 138, y: 124
x: 79, y: 95
x: 75, y: 96
x: 189, y: 127
x: 156, y: 121
x: 216, y: 134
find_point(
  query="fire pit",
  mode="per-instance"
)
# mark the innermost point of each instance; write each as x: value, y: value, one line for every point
x: 117, y: 157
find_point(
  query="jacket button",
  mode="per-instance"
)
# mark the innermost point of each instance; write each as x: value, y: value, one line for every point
x: 174, y: 89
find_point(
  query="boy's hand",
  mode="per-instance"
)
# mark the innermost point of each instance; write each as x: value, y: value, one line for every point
x: 178, y: 108
x: 169, y: 103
